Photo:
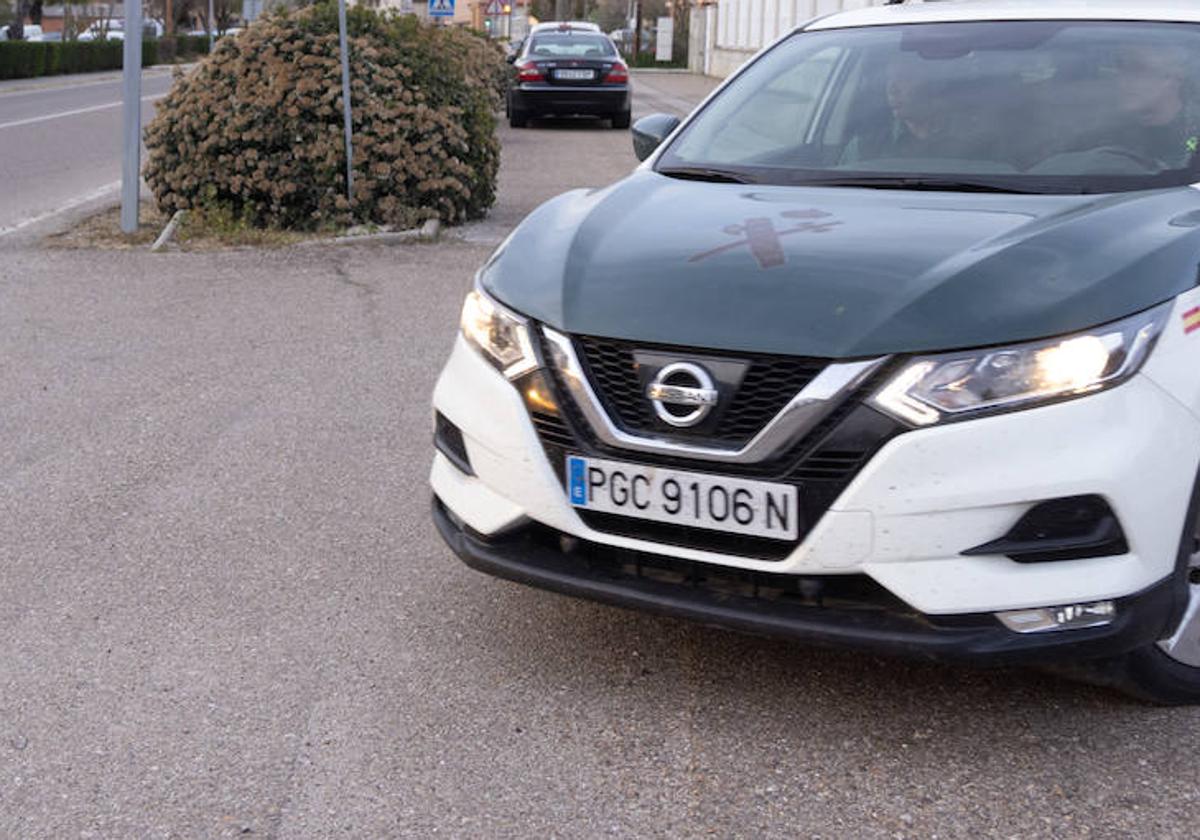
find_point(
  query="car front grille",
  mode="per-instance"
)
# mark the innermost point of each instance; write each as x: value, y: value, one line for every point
x: 769, y: 384
x: 822, y: 465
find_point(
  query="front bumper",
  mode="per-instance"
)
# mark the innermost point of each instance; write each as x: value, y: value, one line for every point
x: 902, y: 523
x: 535, y: 99
x: 537, y: 556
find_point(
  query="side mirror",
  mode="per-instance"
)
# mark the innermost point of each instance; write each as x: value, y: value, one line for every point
x: 511, y: 58
x: 649, y: 132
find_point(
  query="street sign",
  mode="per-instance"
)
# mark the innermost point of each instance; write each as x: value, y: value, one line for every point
x: 441, y: 8
x: 494, y: 9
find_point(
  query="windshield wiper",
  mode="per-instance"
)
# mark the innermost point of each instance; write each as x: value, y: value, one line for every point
x: 702, y: 173
x: 917, y: 183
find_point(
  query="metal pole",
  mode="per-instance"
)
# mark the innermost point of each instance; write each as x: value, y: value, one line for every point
x: 210, y: 26
x: 346, y: 100
x: 131, y: 116
x: 637, y: 29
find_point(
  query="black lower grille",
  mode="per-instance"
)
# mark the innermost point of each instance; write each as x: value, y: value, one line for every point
x: 847, y: 592
x: 552, y: 429
x: 448, y: 439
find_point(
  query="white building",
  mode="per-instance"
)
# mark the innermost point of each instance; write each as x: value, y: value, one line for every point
x: 725, y: 33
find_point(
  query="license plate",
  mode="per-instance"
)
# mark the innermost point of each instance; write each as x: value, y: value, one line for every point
x: 698, y: 500
x: 575, y: 75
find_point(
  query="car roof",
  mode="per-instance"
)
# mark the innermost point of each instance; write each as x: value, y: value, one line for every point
x: 972, y: 10
x: 566, y: 25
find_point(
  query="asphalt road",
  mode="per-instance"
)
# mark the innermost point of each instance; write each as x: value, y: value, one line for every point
x: 60, y: 140
x: 224, y: 611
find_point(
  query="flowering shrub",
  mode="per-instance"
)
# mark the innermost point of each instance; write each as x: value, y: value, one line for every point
x: 257, y: 128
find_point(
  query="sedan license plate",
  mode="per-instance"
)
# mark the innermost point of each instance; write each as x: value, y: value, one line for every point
x: 575, y: 75
x: 716, y: 503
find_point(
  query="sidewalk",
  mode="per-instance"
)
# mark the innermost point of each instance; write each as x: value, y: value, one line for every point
x: 76, y: 80
x: 675, y: 93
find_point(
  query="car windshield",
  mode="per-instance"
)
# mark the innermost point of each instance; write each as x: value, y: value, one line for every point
x: 1027, y: 106
x: 573, y: 45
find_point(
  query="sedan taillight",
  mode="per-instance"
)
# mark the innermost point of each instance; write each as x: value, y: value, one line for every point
x: 619, y: 74
x: 529, y: 72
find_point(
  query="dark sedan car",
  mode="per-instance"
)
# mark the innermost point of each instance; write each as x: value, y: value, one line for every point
x: 569, y: 72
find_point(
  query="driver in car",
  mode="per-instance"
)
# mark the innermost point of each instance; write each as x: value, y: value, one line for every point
x: 1152, y: 93
x: 926, y: 119
x: 921, y: 119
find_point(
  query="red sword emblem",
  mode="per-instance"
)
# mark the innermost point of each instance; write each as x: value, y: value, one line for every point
x: 763, y: 239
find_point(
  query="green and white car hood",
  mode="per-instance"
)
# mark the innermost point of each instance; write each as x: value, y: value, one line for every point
x: 842, y: 273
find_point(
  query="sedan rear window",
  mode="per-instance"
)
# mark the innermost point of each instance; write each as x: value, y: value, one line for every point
x: 573, y: 45
x: 1023, y: 106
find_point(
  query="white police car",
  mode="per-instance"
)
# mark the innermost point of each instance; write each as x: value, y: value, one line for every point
x: 894, y: 343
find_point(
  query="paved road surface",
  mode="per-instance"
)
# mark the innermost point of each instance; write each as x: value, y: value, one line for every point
x: 60, y: 140
x: 223, y: 610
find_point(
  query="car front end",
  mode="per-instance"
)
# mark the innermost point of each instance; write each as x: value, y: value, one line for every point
x: 931, y: 395
x: 1018, y: 536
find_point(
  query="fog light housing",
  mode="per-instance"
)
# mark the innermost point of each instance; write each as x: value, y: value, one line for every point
x: 1049, y: 619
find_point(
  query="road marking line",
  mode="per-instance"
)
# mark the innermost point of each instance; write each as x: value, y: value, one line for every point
x: 63, y: 208
x: 89, y: 109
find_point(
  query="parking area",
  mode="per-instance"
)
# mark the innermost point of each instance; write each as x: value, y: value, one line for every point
x: 224, y: 610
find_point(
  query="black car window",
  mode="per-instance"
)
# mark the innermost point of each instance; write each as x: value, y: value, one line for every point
x: 1041, y: 106
x: 571, y: 45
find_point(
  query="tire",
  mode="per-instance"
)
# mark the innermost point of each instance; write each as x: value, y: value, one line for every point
x: 622, y: 120
x: 1166, y: 672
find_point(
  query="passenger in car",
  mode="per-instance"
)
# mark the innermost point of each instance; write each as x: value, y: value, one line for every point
x: 1153, y: 92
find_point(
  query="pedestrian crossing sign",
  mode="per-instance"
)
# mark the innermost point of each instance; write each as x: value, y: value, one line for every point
x: 494, y: 9
x: 441, y: 8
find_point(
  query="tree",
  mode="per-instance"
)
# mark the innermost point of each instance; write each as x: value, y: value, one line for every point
x: 16, y: 29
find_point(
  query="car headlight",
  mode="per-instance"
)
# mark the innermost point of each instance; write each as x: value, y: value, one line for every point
x: 501, y: 335
x: 951, y: 386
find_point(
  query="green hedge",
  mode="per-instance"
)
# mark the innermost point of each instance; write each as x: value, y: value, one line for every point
x: 27, y: 59
x: 191, y: 45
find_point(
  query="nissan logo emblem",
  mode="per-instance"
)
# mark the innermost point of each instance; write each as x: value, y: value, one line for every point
x: 682, y: 394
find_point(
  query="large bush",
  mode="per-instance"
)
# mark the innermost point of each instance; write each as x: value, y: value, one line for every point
x: 257, y: 129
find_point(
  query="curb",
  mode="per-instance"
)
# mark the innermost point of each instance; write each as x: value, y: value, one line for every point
x: 168, y: 232
x: 428, y: 232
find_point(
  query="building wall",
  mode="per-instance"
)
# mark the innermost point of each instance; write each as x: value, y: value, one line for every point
x: 740, y: 28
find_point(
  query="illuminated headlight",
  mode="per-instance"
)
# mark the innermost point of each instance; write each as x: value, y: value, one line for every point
x: 932, y: 389
x: 502, y: 336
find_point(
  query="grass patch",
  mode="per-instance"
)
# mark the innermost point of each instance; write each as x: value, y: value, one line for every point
x: 201, y: 230
x: 103, y: 230
x: 218, y: 227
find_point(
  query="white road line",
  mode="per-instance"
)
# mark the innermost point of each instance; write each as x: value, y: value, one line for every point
x: 89, y: 109
x: 62, y: 208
